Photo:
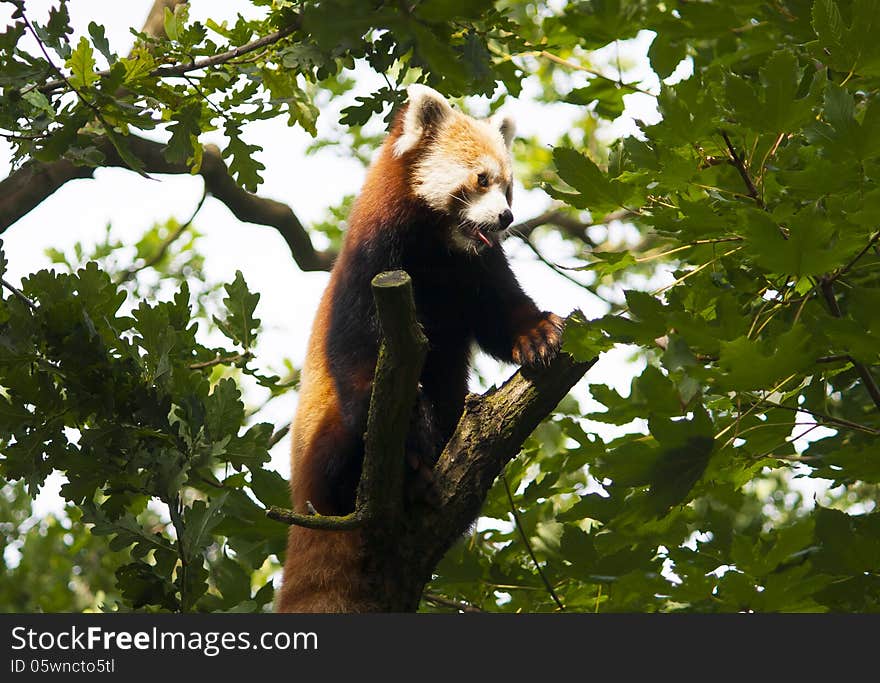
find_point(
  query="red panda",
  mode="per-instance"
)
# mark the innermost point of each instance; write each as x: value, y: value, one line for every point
x: 435, y: 203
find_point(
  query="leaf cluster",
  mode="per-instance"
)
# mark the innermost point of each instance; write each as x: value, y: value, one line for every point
x: 125, y: 401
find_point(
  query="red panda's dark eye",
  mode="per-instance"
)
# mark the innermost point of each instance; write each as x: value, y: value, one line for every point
x: 483, y: 180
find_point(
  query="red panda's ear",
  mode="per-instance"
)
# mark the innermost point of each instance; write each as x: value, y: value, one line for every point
x: 426, y: 109
x: 506, y: 126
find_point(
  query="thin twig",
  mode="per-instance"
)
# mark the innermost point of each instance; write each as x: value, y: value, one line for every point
x: 769, y: 454
x: 694, y: 272
x: 528, y: 545
x: 827, y: 419
x: 129, y: 273
x: 221, y: 360
x: 856, y: 258
x: 570, y: 225
x: 560, y: 270
x: 689, y: 245
x: 18, y: 294
x: 592, y: 72
x: 739, y: 164
x: 201, y: 93
x: 767, y: 156
x: 834, y: 358
x: 454, y: 604
x: 735, y: 424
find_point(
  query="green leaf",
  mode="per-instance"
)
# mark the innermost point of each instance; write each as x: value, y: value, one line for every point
x: 172, y: 25
x: 685, y: 448
x: 850, y: 49
x: 441, y: 58
x: 82, y: 65
x: 125, y: 153
x: 780, y: 78
x: 239, y: 323
x: 243, y: 166
x: 139, y: 64
x: 582, y: 339
x: 40, y: 101
x: 185, y: 130
x: 813, y: 245
x: 56, y: 30
x: 142, y: 585
x: 224, y: 411
x: 605, y: 94
x: 595, y: 190
x: 99, y: 40
x: 848, y: 544
x: 648, y: 310
x: 666, y: 53
x: 270, y: 488
x: 199, y: 522
x: 827, y: 23
x: 749, y: 364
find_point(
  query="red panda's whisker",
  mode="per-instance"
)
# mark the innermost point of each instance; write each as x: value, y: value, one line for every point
x: 464, y: 201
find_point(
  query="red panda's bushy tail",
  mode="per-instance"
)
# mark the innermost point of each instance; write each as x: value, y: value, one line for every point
x: 323, y: 573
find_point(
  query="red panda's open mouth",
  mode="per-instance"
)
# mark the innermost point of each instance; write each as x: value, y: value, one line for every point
x: 482, y: 237
x: 479, y: 233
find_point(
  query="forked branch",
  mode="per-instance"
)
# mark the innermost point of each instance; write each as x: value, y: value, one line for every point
x: 395, y: 382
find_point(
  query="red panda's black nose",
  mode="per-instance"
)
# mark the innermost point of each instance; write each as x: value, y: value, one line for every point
x: 505, y: 218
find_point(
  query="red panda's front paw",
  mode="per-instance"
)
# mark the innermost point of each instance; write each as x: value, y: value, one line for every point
x: 539, y: 344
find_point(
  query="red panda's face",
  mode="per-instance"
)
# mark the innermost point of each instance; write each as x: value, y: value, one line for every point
x: 462, y: 167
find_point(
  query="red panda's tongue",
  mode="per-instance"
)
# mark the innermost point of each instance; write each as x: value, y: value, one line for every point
x: 483, y: 238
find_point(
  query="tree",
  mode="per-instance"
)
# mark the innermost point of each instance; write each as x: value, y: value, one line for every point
x: 747, y: 288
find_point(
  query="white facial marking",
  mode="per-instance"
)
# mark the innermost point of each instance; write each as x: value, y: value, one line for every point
x: 485, y: 209
x: 438, y: 177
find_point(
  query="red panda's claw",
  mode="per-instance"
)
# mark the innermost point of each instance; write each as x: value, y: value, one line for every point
x: 540, y: 344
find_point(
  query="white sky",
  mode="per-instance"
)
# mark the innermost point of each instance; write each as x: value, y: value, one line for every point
x: 81, y: 209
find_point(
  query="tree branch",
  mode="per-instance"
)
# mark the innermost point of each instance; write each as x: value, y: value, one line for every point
x: 489, y: 435
x: 323, y: 522
x: 31, y: 184
x: 395, y: 384
x: 204, y: 63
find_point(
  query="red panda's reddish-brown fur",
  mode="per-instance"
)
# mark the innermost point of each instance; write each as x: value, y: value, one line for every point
x: 463, y: 292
